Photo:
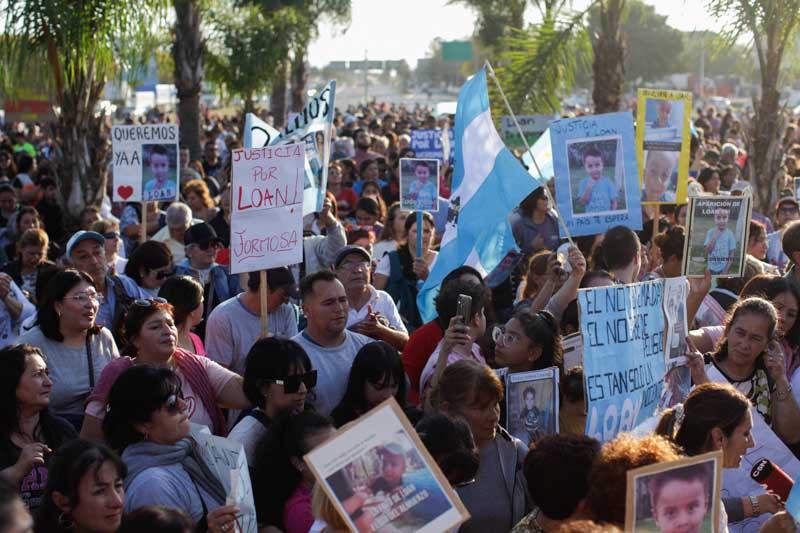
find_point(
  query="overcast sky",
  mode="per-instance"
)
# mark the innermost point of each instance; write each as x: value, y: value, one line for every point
x: 404, y: 29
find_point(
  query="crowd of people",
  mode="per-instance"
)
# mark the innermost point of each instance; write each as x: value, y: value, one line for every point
x: 118, y: 341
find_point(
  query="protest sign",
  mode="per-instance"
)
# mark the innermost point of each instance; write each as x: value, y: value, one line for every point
x: 145, y: 162
x: 596, y: 173
x: 623, y: 355
x: 381, y: 479
x: 419, y: 184
x: 267, y: 214
x: 686, y: 492
x: 312, y: 127
x: 676, y: 290
x: 427, y: 144
x: 532, y: 127
x: 796, y: 188
x: 662, y: 144
x: 718, y: 227
x: 227, y: 460
x: 572, y: 351
x: 542, y: 152
x: 532, y: 404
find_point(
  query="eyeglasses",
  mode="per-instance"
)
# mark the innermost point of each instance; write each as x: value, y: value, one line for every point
x: 110, y: 235
x: 499, y: 336
x: 291, y: 384
x: 789, y: 210
x: 206, y: 245
x: 83, y: 297
x: 354, y: 265
x: 173, y: 404
x: 163, y: 274
x: 148, y: 302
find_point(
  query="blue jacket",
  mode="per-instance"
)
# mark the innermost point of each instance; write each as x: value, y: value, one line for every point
x: 225, y: 285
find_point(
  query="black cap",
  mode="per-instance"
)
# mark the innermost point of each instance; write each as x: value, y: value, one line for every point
x: 277, y: 278
x: 351, y: 249
x: 201, y: 233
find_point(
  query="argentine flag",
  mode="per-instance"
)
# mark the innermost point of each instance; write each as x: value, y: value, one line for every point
x: 488, y: 183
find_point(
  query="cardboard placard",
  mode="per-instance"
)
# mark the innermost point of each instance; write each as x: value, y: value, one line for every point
x: 358, y: 468
x: 145, y: 162
x: 717, y: 231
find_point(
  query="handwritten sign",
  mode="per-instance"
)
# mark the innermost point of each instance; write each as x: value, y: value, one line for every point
x: 266, y: 220
x: 145, y: 162
x: 427, y: 144
x: 532, y: 127
x: 596, y: 173
x: 623, y: 355
x: 227, y: 460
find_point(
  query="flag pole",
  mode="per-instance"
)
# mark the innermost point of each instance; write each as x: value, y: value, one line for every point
x: 528, y: 148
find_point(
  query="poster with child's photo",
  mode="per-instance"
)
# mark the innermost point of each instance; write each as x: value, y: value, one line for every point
x: 596, y: 173
x: 662, y: 144
x: 716, y: 239
x: 681, y: 495
x: 419, y: 184
x: 381, y: 479
x: 532, y: 404
x: 160, y: 172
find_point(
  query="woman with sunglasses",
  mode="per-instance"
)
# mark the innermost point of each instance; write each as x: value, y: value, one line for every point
x: 29, y: 432
x: 77, y: 349
x: 278, y: 377
x: 376, y: 375
x: 282, y: 482
x: 152, y: 338
x: 149, y: 266
x: 147, y: 421
x: 528, y: 341
x: 186, y: 297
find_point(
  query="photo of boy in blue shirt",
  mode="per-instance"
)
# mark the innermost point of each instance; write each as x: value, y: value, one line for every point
x: 720, y: 243
x: 596, y: 193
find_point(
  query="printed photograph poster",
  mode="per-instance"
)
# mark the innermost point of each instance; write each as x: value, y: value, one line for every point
x: 572, y: 351
x: 381, y: 479
x: 419, y: 184
x: 145, y: 162
x: 267, y: 207
x: 676, y: 290
x: 662, y: 144
x: 718, y: 227
x: 796, y: 188
x: 596, y: 173
x: 686, y: 493
x: 312, y: 128
x: 677, y: 386
x: 532, y: 404
x: 623, y: 355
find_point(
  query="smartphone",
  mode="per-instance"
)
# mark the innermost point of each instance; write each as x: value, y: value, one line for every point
x: 464, y: 309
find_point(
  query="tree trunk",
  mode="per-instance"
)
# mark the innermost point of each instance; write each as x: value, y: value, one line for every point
x: 277, y: 101
x: 187, y: 54
x: 764, y: 161
x: 298, y: 80
x: 609, y: 58
x: 249, y: 104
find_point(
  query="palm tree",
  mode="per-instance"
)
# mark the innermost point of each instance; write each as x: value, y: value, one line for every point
x: 609, y: 57
x: 84, y: 43
x: 187, y: 55
x: 772, y: 25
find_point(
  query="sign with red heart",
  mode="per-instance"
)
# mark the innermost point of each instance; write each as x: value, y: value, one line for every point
x: 125, y: 191
x: 145, y: 163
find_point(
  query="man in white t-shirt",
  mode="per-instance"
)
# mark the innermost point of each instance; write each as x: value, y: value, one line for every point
x: 372, y: 312
x: 235, y: 324
x: 327, y: 341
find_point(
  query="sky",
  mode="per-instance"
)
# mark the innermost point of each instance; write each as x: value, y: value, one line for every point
x: 404, y: 29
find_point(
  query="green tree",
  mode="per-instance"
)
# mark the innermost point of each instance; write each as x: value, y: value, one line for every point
x: 85, y: 43
x: 772, y: 25
x: 495, y: 19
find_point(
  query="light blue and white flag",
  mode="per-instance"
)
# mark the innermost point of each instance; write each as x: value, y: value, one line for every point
x: 488, y: 183
x: 543, y: 153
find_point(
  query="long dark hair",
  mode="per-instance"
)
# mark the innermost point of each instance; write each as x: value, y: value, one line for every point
x: 770, y: 287
x: 270, y: 359
x: 710, y: 405
x: 275, y: 477
x: 58, y: 286
x: 70, y: 464
x: 150, y: 255
x: 376, y: 362
x: 14, y: 361
x: 542, y: 330
x: 184, y: 293
x: 139, y: 392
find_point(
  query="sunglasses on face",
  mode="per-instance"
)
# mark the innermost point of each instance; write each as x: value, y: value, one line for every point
x: 148, y: 302
x: 110, y: 235
x: 291, y: 384
x: 172, y: 404
x: 163, y: 274
x: 206, y: 245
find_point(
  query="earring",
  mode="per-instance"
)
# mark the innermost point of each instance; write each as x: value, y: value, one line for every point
x: 65, y: 522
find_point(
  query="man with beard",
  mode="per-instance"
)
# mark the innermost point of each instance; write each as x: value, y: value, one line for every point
x: 363, y: 143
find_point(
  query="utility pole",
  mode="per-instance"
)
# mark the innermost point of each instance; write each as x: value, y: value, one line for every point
x: 702, y: 69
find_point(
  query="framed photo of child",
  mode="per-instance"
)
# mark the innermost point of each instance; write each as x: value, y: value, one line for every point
x: 596, y: 173
x: 160, y: 172
x: 718, y: 228
x: 381, y: 479
x: 532, y: 404
x: 662, y: 144
x: 419, y: 184
x: 681, y: 495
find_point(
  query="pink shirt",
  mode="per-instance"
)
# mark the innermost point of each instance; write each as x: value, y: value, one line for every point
x: 297, y: 517
x: 430, y: 366
x: 217, y: 375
